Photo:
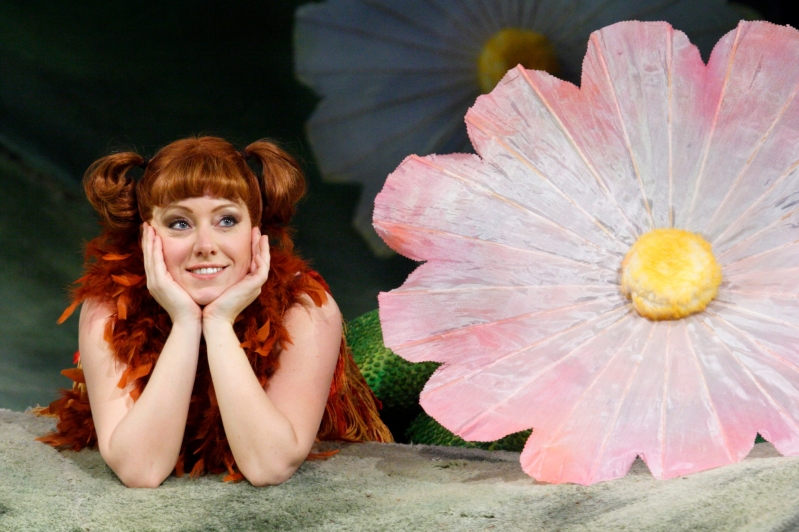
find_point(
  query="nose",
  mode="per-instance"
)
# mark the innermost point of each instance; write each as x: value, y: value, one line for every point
x: 205, y: 245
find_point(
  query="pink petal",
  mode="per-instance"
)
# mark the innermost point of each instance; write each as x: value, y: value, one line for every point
x: 518, y: 292
x: 509, y: 392
x: 749, y: 148
x: 438, y: 195
x: 501, y: 128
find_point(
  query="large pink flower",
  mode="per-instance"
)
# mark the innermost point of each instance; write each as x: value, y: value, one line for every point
x: 519, y: 296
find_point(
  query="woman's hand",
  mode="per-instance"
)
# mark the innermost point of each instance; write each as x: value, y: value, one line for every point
x: 235, y: 299
x: 169, y: 294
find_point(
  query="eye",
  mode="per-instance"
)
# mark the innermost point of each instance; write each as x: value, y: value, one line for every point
x: 228, y: 221
x: 179, y: 223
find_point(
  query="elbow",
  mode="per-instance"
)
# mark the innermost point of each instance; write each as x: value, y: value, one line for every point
x: 263, y: 481
x: 137, y: 475
x: 133, y: 477
x: 272, y: 475
x: 141, y: 481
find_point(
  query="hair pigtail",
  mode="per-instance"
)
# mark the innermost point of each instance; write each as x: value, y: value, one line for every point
x: 281, y: 179
x: 112, y: 192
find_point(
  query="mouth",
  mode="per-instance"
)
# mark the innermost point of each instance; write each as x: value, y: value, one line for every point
x: 206, y: 271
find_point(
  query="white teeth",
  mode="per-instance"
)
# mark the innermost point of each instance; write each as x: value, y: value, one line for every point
x: 206, y: 271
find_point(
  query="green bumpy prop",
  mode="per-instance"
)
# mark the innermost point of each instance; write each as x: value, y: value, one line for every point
x: 397, y: 383
x: 427, y: 430
x: 394, y: 380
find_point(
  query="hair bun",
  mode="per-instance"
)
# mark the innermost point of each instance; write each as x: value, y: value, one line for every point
x: 281, y: 179
x: 112, y: 192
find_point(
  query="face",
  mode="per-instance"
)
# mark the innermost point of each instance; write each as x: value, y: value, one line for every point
x: 207, y: 244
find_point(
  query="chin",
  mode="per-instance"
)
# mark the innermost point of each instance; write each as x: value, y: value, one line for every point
x: 204, y: 297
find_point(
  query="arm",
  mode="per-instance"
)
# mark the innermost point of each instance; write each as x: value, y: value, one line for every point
x: 270, y: 433
x: 141, y: 441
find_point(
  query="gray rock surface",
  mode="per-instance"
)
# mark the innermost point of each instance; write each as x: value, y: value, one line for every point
x: 385, y: 487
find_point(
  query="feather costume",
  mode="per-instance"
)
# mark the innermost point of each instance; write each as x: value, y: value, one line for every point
x: 136, y: 334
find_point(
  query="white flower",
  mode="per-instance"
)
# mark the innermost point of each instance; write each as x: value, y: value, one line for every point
x: 396, y: 76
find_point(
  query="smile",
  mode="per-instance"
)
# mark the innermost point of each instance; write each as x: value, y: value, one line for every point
x: 207, y: 271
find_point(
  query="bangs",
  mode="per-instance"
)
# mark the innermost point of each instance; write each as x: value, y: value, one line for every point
x: 193, y: 177
x: 197, y: 167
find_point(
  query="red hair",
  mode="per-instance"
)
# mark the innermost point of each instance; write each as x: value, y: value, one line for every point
x: 195, y: 167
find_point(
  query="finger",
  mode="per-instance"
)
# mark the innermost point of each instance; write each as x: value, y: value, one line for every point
x: 263, y: 258
x: 154, y: 255
x: 158, y: 255
x: 155, y: 276
x: 145, y: 227
x: 146, y: 248
x: 256, y: 233
x: 265, y: 251
x: 258, y: 276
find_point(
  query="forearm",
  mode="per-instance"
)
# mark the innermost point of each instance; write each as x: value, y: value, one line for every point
x: 261, y: 438
x: 144, y: 446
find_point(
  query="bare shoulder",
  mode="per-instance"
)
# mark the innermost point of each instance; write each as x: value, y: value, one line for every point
x: 305, y: 320
x: 305, y: 313
x: 94, y: 314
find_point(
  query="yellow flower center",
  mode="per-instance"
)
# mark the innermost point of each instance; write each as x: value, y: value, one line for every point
x: 511, y: 47
x: 669, y: 274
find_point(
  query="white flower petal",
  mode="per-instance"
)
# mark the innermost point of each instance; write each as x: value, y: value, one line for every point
x: 756, y: 239
x: 783, y: 309
x: 773, y: 336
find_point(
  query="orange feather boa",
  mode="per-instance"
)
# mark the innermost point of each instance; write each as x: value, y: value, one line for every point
x: 138, y: 330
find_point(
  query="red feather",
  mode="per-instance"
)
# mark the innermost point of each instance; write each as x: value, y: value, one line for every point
x: 115, y: 256
x: 76, y: 374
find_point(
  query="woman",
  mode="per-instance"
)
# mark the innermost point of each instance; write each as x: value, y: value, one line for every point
x: 202, y: 346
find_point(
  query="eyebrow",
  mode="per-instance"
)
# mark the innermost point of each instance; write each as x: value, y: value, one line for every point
x: 169, y: 208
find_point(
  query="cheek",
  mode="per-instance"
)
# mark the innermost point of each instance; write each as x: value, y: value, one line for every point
x: 174, y: 256
x: 242, y: 254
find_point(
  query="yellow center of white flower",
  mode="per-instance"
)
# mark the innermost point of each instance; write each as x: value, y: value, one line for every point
x: 669, y: 274
x: 511, y: 47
